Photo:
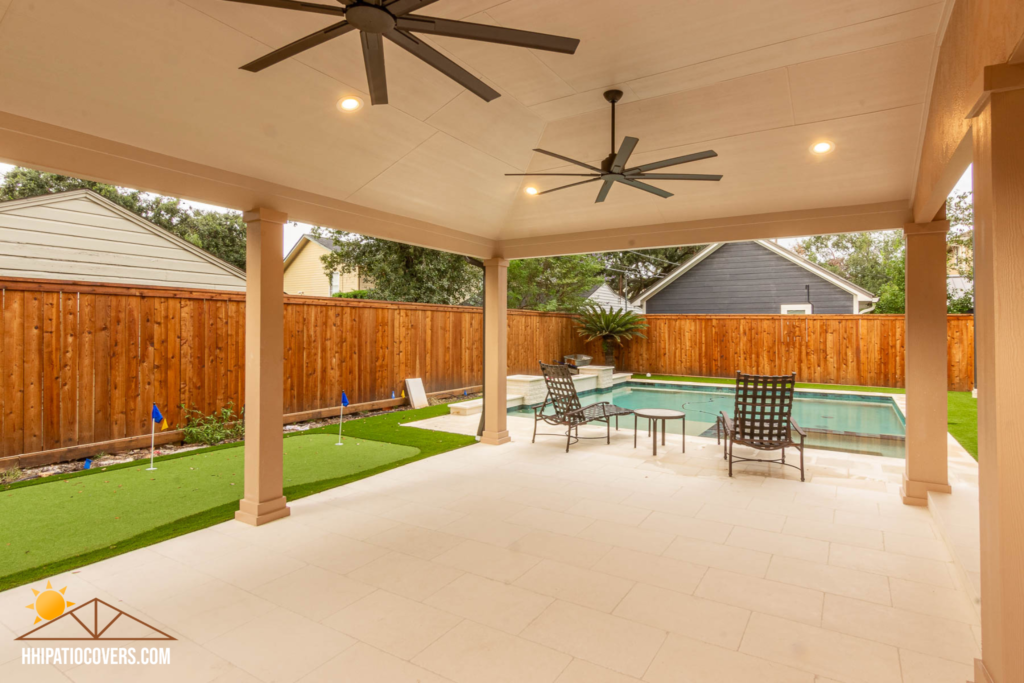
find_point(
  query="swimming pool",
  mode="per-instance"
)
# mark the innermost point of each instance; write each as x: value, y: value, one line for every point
x: 854, y: 423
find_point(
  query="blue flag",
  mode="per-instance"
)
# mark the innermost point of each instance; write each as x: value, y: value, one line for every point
x: 392, y: 393
x: 344, y: 399
x: 158, y: 418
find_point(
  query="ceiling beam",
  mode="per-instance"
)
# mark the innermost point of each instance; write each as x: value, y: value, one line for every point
x: 42, y: 146
x: 827, y: 221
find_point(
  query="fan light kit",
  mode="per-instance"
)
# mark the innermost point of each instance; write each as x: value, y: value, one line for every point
x: 823, y: 147
x: 531, y: 190
x: 376, y: 20
x: 613, y: 169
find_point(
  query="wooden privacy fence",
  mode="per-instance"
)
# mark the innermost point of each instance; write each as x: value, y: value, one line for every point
x: 866, y: 350
x: 80, y: 365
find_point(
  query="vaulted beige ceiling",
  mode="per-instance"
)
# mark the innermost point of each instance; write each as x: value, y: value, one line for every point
x: 758, y: 81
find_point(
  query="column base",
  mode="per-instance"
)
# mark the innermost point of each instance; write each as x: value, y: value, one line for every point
x: 257, y: 514
x: 495, y: 438
x: 916, y: 492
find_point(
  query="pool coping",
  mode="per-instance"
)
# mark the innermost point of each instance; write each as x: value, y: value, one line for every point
x: 899, y: 399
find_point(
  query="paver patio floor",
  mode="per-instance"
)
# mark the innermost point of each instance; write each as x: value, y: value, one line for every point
x: 524, y: 563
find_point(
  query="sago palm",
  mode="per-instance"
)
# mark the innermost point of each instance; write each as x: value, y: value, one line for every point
x: 611, y: 326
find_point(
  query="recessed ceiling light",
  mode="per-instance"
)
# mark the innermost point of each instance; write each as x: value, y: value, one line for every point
x: 531, y: 190
x: 348, y: 104
x: 823, y: 147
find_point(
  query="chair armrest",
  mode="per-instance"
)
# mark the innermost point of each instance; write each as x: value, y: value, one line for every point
x: 796, y: 427
x: 537, y: 410
x: 727, y: 422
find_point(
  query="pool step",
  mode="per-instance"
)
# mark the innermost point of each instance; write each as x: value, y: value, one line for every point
x: 474, y: 407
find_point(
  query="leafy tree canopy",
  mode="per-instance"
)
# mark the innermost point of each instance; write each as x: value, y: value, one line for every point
x: 636, y: 270
x: 877, y: 261
x: 552, y: 284
x: 401, y: 272
x: 221, y: 233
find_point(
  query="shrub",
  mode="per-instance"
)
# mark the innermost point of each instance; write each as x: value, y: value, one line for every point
x: 10, y: 476
x: 355, y: 294
x: 212, y: 429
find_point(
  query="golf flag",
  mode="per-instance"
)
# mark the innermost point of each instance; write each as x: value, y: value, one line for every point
x: 344, y: 399
x: 159, y: 419
x: 392, y: 393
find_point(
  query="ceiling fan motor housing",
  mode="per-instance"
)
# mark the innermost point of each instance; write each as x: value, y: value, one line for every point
x: 370, y: 19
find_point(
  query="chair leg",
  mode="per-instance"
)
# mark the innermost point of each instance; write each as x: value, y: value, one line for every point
x: 801, y: 458
x: 783, y: 456
x: 730, y: 459
x: 608, y: 422
x: 534, y: 439
x: 616, y: 423
x: 568, y: 438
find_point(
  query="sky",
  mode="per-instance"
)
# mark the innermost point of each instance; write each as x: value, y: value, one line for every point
x: 293, y: 231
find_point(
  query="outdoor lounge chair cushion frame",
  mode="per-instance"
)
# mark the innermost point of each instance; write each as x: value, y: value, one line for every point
x: 762, y: 419
x: 568, y: 410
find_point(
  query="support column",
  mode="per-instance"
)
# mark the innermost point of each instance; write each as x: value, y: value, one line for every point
x: 264, y: 374
x: 496, y: 342
x: 998, y: 132
x: 927, y: 468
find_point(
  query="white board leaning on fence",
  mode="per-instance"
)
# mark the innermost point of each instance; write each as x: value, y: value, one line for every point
x: 416, y: 393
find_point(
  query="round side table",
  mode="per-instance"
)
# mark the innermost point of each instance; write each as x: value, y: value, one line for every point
x: 654, y: 415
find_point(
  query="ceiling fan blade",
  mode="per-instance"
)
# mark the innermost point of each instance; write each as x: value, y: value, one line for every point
x: 300, y: 45
x: 442, y: 64
x: 571, y: 175
x: 674, y: 162
x: 296, y: 5
x: 571, y: 161
x: 646, y: 188
x: 625, y: 150
x: 488, y: 34
x: 603, y: 194
x: 675, y: 176
x: 556, y: 189
x: 400, y: 7
x: 376, y: 75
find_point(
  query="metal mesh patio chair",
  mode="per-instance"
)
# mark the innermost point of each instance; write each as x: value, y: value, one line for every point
x: 569, y: 412
x: 763, y: 419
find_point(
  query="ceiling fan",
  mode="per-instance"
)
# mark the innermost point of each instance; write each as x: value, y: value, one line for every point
x: 613, y: 168
x: 391, y: 19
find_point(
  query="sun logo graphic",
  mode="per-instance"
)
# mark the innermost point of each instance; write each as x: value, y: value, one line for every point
x: 49, y: 603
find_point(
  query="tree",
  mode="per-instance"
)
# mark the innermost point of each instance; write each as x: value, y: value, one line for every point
x: 863, y: 258
x: 960, y: 243
x: 612, y: 327
x: 636, y: 270
x: 552, y: 284
x: 401, y: 272
x: 221, y: 233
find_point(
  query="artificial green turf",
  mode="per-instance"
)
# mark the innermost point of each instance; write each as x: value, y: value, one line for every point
x: 962, y: 421
x: 59, y: 523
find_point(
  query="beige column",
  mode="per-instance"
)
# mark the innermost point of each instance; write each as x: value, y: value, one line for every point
x: 998, y: 133
x: 264, y: 362
x: 926, y: 362
x: 496, y: 342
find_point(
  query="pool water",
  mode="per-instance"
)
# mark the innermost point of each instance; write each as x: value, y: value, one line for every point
x: 840, y: 422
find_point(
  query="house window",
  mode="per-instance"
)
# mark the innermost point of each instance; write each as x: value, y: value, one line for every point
x: 335, y: 283
x: 797, y: 309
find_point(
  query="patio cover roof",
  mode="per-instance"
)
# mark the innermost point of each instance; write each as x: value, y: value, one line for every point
x: 156, y: 90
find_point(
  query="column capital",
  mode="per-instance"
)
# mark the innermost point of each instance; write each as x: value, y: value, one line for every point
x: 926, y: 228
x: 993, y: 78
x: 264, y: 215
x: 496, y: 262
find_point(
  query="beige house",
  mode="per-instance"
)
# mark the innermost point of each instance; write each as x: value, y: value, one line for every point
x: 83, y: 236
x: 304, y: 272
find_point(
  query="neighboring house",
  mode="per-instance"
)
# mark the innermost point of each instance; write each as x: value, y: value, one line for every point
x: 757, y: 277
x: 82, y: 236
x: 304, y: 272
x: 607, y: 298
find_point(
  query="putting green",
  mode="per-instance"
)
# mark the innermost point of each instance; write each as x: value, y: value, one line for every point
x: 61, y: 519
